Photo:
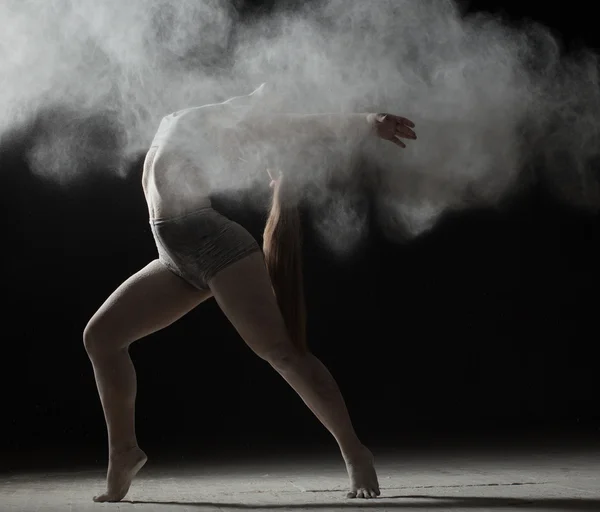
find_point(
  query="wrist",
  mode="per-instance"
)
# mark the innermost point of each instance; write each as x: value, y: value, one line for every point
x: 371, y: 119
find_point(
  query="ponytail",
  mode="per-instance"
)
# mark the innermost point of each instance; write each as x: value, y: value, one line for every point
x: 282, y: 246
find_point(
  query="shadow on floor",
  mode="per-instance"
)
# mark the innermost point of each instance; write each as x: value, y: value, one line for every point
x: 429, y: 502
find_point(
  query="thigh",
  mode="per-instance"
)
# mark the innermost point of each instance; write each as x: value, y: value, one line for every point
x: 148, y: 301
x: 244, y: 293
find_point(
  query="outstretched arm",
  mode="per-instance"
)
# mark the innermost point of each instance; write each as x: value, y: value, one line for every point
x: 307, y: 128
x: 303, y: 128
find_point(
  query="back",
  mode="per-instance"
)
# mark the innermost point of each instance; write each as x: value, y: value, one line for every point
x: 187, y: 143
x: 185, y: 127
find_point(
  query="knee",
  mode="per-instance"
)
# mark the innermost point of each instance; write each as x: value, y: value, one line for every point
x: 91, y: 337
x: 96, y: 338
x: 285, y: 357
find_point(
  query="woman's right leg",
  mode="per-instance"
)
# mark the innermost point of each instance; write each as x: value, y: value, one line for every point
x: 244, y: 293
x: 148, y: 301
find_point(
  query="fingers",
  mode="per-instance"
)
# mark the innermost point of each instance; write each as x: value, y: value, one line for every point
x: 405, y: 121
x: 398, y: 141
x: 403, y: 131
x: 395, y: 128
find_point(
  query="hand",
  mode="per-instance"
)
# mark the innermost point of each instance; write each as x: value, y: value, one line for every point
x: 393, y: 128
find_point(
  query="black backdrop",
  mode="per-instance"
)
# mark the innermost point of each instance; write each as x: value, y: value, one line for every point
x: 487, y: 321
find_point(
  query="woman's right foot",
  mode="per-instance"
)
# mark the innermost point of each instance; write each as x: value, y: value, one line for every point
x: 122, y: 468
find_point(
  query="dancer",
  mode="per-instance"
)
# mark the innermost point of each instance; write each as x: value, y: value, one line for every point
x: 203, y: 254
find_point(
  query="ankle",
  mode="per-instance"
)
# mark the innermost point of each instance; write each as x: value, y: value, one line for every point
x: 352, y: 449
x: 120, y: 450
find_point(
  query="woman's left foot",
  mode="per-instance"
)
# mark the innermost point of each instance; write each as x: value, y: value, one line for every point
x: 361, y: 470
x: 122, y: 469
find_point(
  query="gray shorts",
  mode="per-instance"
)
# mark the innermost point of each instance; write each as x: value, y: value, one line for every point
x: 198, y: 245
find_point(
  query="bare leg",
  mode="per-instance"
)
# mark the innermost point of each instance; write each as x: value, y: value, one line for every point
x: 243, y: 291
x: 147, y: 302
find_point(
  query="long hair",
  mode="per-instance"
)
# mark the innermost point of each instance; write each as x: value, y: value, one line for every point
x: 282, y: 246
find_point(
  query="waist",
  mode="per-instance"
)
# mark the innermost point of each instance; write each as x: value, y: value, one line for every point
x: 166, y: 218
x: 173, y: 185
x: 161, y: 209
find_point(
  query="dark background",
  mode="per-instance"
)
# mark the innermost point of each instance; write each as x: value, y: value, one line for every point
x: 484, y: 326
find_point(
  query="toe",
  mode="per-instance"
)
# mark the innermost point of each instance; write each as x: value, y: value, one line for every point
x: 351, y: 494
x: 373, y: 493
x: 100, y: 499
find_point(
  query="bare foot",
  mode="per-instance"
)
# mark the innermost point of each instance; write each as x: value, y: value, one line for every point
x: 122, y: 469
x: 363, y: 478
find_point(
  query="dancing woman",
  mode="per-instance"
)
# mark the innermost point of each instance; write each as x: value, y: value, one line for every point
x: 203, y: 254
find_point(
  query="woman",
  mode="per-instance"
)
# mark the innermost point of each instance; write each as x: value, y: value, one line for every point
x: 202, y: 254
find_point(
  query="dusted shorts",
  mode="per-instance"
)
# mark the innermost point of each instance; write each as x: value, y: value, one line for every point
x: 198, y: 245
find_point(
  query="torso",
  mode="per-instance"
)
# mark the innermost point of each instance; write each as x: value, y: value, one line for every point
x: 175, y: 179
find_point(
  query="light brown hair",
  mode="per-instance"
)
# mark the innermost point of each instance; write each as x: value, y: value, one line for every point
x: 282, y: 246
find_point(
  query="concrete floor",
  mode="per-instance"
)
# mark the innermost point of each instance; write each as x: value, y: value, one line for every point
x: 458, y: 480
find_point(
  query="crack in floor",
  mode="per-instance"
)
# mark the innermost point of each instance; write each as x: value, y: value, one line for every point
x: 411, y: 487
x: 454, y: 486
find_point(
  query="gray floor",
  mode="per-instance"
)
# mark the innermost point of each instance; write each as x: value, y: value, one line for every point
x: 498, y: 480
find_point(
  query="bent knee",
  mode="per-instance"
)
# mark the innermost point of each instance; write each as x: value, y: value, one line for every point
x: 99, y: 338
x: 92, y: 337
x: 283, y: 357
